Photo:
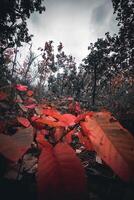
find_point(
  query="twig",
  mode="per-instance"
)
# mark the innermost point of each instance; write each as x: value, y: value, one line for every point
x: 14, y: 62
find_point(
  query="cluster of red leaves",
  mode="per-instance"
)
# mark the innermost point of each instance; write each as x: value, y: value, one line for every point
x: 53, y: 132
x: 59, y: 172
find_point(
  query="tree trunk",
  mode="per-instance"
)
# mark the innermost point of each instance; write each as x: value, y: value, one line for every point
x: 94, y: 87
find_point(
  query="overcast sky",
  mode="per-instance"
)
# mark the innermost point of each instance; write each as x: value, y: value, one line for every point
x: 75, y: 23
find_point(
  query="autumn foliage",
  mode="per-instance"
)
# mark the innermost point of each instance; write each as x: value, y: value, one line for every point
x: 59, y: 138
x: 59, y: 172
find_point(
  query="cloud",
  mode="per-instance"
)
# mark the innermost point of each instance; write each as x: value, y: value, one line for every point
x: 76, y: 23
x: 100, y: 14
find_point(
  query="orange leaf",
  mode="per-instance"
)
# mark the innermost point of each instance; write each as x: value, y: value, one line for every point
x: 23, y: 121
x: 113, y: 143
x: 60, y: 174
x: 52, y: 113
x: 69, y: 119
x: 3, y: 96
x: 49, y: 122
x: 85, y: 129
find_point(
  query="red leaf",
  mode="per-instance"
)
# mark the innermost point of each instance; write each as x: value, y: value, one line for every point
x: 30, y: 100
x: 52, y: 113
x: 3, y: 96
x: 68, y: 137
x: 69, y: 119
x: 29, y: 93
x: 49, y: 123
x: 2, y: 126
x: 21, y: 87
x: 49, y: 118
x: 60, y: 174
x: 70, y: 98
x: 71, y: 107
x: 41, y: 139
x: 77, y: 107
x: 31, y: 106
x: 113, y: 143
x: 58, y: 133
x: 23, y: 137
x: 82, y: 117
x: 34, y: 118
x: 9, y: 148
x: 85, y: 129
x: 44, y: 132
x: 23, y: 121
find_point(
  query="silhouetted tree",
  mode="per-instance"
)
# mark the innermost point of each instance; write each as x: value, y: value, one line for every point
x: 13, y: 27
